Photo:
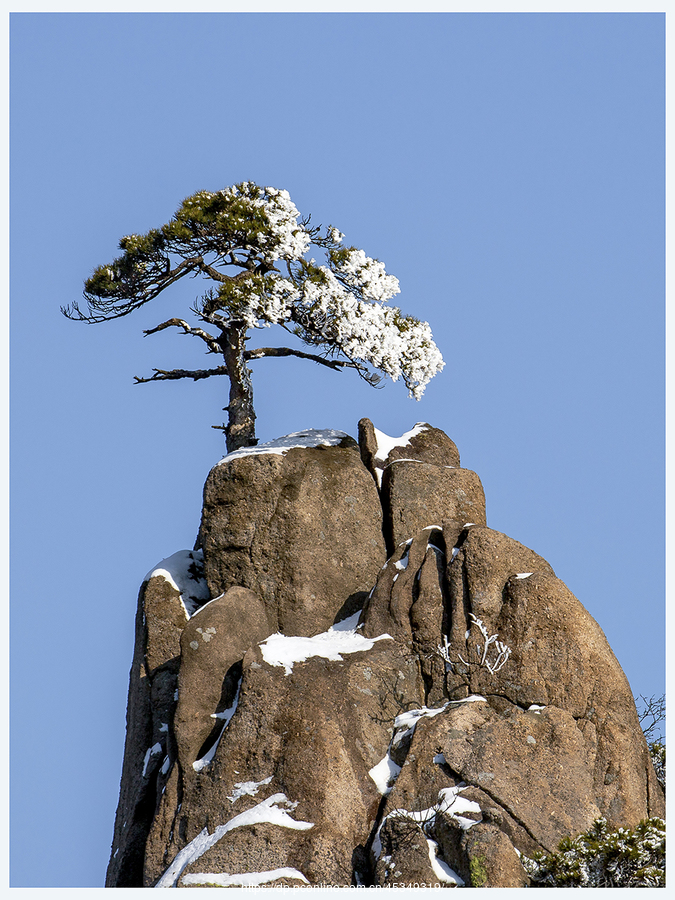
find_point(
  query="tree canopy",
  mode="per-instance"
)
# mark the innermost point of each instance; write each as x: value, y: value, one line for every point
x: 252, y: 244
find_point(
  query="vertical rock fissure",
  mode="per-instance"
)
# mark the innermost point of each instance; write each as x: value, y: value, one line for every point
x: 209, y: 747
x: 505, y: 806
x: 371, y: 838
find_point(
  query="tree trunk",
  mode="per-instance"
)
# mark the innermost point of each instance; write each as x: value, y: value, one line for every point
x: 240, y: 431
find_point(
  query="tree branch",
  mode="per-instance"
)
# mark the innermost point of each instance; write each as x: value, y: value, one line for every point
x: 137, y: 291
x: 196, y: 374
x: 286, y: 351
x: 214, y: 273
x: 208, y: 339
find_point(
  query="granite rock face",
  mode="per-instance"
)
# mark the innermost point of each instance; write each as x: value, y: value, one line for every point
x: 464, y: 710
x: 302, y: 528
x: 420, y: 480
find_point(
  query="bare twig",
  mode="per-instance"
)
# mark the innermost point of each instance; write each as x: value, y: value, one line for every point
x: 489, y: 640
x: 652, y: 715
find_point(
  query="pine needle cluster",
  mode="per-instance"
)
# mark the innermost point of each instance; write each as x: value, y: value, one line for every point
x: 602, y: 857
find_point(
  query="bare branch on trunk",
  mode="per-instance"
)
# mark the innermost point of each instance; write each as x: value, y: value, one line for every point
x: 208, y: 339
x: 287, y: 351
x: 172, y: 374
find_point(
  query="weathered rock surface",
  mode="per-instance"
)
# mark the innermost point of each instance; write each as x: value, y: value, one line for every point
x: 420, y: 480
x: 213, y: 645
x: 302, y: 529
x: 311, y: 736
x: 416, y: 494
x: 423, y: 442
x: 474, y: 714
x: 153, y: 680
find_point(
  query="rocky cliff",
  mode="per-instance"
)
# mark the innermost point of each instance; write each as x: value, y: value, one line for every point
x: 383, y: 690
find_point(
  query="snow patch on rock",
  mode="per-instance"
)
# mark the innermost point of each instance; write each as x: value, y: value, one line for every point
x: 244, y: 879
x: 272, y: 810
x: 283, y: 650
x: 384, y: 774
x: 311, y: 437
x: 184, y: 571
x: 247, y: 789
x: 385, y: 443
x: 225, y: 716
x: 442, y: 870
x: 155, y: 750
x: 449, y: 802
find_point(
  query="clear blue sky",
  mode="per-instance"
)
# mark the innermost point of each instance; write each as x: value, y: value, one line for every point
x: 509, y: 169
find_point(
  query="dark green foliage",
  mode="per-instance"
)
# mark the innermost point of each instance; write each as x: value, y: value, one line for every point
x: 601, y: 857
x: 224, y: 226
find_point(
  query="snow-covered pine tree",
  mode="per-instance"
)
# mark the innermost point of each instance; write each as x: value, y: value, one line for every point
x: 251, y: 242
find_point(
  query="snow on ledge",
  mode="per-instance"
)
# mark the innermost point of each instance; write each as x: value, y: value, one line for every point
x: 385, y: 443
x: 282, y: 650
x: 155, y: 750
x: 272, y: 810
x: 451, y: 803
x: 179, y: 570
x: 247, y: 788
x: 244, y: 879
x: 384, y: 774
x: 442, y: 870
x: 311, y: 437
x: 200, y: 764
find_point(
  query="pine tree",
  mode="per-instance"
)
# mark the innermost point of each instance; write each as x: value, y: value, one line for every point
x: 251, y: 242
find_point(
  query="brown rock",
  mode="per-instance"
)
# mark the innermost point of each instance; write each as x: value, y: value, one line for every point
x: 303, y: 530
x: 213, y: 643
x: 404, y: 860
x: 376, y: 764
x: 417, y: 494
x: 429, y: 444
x: 160, y: 618
x: 543, y: 648
x: 491, y: 558
x: 368, y: 445
x: 420, y: 480
x: 388, y: 608
x: 534, y: 764
x: 486, y: 857
x: 164, y: 619
x: 562, y: 657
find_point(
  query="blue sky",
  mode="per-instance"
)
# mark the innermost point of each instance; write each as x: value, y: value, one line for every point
x: 507, y: 168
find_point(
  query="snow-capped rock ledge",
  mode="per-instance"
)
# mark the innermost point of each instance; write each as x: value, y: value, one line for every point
x: 311, y: 437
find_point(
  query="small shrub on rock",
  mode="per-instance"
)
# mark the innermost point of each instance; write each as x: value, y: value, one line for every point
x: 601, y: 857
